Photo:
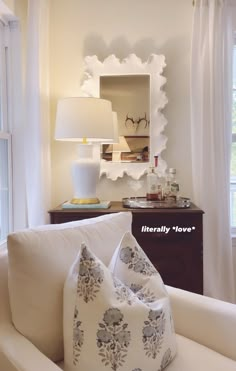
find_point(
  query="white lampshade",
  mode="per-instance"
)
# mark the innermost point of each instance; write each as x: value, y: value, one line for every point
x: 115, y: 129
x: 84, y: 117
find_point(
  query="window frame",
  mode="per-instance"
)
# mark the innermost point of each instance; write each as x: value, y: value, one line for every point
x: 232, y: 190
x: 5, y: 127
x: 7, y: 136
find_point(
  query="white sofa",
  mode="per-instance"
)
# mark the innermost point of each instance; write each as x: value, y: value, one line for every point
x: 205, y: 327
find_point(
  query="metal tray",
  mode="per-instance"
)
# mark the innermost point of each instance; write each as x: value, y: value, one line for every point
x: 143, y: 203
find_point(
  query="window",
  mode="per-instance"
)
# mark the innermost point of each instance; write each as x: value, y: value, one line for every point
x: 4, y: 185
x: 5, y: 140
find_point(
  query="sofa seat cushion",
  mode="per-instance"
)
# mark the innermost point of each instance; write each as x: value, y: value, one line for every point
x: 39, y: 261
x: 192, y: 356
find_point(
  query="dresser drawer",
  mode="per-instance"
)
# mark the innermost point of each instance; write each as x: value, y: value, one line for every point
x: 180, y: 265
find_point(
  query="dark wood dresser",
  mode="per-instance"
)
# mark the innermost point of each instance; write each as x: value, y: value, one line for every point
x: 172, y: 238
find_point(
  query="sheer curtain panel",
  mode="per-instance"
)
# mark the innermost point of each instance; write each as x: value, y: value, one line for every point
x: 37, y: 128
x: 211, y: 102
x: 16, y: 118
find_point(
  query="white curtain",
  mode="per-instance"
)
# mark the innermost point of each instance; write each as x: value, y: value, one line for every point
x: 17, y: 126
x: 37, y: 128
x: 211, y: 100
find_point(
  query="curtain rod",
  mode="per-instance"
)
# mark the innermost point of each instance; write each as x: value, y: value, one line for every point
x: 194, y: 2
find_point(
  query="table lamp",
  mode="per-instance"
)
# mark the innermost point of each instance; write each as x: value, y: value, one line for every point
x: 85, y: 120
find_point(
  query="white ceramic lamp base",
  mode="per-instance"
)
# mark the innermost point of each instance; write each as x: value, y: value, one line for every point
x: 85, y: 175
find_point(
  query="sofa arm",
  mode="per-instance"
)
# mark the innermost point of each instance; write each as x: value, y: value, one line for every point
x: 208, y: 321
x: 19, y: 354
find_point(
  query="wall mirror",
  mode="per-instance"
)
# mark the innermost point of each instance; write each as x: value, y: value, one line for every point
x: 134, y: 88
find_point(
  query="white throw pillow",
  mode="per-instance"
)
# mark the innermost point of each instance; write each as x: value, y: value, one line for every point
x: 39, y: 260
x: 109, y: 327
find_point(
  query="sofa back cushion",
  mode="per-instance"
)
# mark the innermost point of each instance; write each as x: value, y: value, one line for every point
x: 39, y: 260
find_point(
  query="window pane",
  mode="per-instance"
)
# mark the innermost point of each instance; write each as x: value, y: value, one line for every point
x: 234, y: 112
x: 1, y: 121
x: 3, y: 126
x: 233, y: 160
x: 233, y: 203
x: 233, y: 153
x: 4, y: 189
x: 234, y: 67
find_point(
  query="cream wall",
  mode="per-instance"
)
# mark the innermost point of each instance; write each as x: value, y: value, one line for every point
x: 10, y: 4
x: 87, y: 27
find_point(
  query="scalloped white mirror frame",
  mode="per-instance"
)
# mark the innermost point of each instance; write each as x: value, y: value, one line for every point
x: 132, y: 65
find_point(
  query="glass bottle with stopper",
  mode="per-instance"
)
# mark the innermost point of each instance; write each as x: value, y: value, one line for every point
x: 174, y: 184
x: 152, y: 185
x: 154, y: 188
x: 171, y: 189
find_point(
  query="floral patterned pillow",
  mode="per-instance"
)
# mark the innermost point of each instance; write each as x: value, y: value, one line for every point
x: 131, y: 265
x: 108, y: 327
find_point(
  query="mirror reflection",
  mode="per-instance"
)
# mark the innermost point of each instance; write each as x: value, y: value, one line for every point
x: 130, y: 97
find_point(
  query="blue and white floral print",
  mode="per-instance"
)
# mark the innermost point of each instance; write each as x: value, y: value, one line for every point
x: 90, y: 276
x: 153, y: 333
x: 123, y: 293
x: 78, y: 337
x: 137, y: 260
x: 113, y: 339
